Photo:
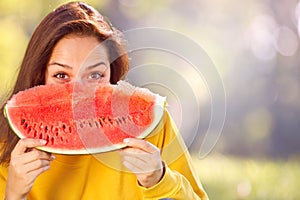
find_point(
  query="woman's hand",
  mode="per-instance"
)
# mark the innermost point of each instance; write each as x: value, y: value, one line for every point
x: 25, y: 165
x: 143, y: 159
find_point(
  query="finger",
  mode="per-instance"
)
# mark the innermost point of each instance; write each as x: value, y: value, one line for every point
x: 44, y: 154
x: 127, y: 154
x: 21, y: 160
x: 137, y: 157
x: 26, y: 143
x: 133, y: 167
x: 36, y: 165
x: 38, y: 171
x: 139, y: 166
x: 141, y: 144
x: 133, y: 150
x: 36, y: 155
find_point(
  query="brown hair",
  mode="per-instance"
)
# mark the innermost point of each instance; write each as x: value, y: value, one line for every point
x: 70, y: 18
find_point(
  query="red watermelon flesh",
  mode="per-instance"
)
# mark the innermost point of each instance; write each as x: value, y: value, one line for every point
x: 79, y: 118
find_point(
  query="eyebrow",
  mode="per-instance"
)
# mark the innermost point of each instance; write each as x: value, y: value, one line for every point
x: 69, y: 67
x: 60, y: 64
x: 96, y: 65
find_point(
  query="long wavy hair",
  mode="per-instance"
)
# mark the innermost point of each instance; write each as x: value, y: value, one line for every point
x: 70, y: 18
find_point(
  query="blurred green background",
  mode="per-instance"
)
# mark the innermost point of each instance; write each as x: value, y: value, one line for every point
x: 255, y: 47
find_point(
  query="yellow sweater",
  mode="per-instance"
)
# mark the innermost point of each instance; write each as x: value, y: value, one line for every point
x: 103, y: 177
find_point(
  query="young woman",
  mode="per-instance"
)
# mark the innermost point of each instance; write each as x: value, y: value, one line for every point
x: 73, y: 43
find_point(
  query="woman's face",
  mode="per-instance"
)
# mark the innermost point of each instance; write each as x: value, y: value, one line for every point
x: 78, y: 58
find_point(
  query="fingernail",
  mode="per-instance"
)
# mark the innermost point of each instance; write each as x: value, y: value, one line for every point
x: 126, y: 140
x: 43, y: 141
x: 52, y: 157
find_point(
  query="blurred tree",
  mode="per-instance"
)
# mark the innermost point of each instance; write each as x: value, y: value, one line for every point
x: 286, y: 109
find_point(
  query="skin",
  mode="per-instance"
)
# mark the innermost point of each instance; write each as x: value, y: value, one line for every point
x: 87, y: 62
x: 143, y: 159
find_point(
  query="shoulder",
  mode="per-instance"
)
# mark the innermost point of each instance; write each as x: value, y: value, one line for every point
x: 166, y: 129
x: 166, y: 134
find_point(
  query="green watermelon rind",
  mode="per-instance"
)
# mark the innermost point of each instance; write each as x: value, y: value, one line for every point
x: 159, y: 109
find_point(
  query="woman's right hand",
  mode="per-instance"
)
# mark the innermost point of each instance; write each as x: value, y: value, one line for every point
x: 25, y: 165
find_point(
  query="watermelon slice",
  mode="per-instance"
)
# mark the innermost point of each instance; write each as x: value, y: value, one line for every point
x: 79, y: 118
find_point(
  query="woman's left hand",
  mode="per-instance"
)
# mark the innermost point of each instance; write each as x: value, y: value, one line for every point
x: 143, y: 159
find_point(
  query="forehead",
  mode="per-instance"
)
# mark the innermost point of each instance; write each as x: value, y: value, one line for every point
x: 77, y: 50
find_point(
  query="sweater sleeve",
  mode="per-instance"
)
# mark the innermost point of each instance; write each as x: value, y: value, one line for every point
x: 180, y: 180
x: 172, y: 186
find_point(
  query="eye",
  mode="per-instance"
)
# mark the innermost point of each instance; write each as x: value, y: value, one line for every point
x: 95, y: 76
x: 61, y: 76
